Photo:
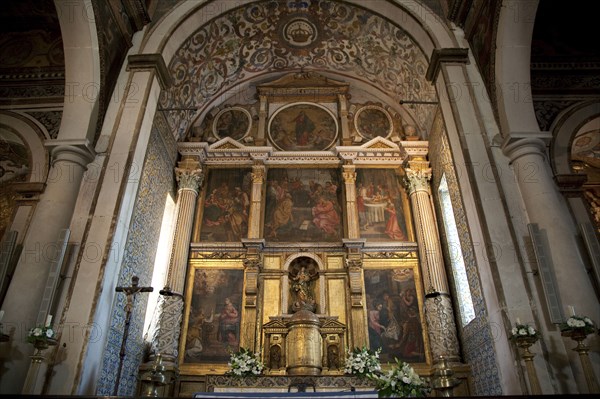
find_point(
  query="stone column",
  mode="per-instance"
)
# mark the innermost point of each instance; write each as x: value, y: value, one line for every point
x: 166, y: 336
x: 349, y: 174
x: 547, y: 207
x: 53, y: 214
x: 439, y: 314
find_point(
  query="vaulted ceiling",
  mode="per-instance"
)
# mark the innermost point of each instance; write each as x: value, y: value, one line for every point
x: 251, y: 43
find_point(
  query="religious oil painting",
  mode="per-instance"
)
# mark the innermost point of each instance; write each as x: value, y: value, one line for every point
x: 213, y: 315
x: 234, y: 122
x: 303, y: 127
x: 382, y: 205
x: 226, y: 205
x: 586, y: 148
x: 303, y: 205
x: 14, y: 157
x: 372, y: 121
x: 394, y: 314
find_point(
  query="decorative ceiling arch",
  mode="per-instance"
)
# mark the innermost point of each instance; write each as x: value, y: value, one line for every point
x: 276, y: 36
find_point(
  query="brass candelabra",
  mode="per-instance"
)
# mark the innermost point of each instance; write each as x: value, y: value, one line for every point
x: 579, y: 335
x: 444, y: 381
x: 524, y: 343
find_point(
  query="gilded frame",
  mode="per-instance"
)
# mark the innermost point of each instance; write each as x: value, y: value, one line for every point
x: 304, y: 204
x: 227, y: 124
x: 221, y: 186
x: 229, y: 267
x: 374, y: 215
x: 372, y: 121
x: 303, y: 126
x: 397, y: 276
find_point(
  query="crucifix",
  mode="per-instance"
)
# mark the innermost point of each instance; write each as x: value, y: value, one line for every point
x: 130, y: 293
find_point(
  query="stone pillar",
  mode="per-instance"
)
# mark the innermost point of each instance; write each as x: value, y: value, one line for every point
x: 547, y: 207
x: 349, y: 174
x: 439, y: 314
x: 166, y: 336
x: 53, y: 214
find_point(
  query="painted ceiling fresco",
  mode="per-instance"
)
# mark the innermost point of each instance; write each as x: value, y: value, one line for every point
x: 273, y: 36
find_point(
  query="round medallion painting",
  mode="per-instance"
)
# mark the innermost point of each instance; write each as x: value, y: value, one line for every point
x: 303, y: 127
x: 372, y: 121
x: 232, y: 122
x: 586, y: 148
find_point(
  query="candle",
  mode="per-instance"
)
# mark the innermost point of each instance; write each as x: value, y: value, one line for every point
x: 1, y: 314
x: 518, y: 321
x: 48, y: 320
x: 572, y: 310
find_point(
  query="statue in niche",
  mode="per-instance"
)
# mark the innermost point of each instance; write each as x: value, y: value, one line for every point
x: 333, y: 357
x: 275, y: 357
x: 302, y: 275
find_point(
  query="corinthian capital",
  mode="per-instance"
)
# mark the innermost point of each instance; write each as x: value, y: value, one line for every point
x: 349, y: 174
x: 258, y: 174
x: 418, y: 179
x: 189, y: 178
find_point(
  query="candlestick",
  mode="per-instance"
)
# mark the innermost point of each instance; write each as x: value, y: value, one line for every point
x: 48, y: 320
x: 1, y: 314
x: 572, y: 310
x: 518, y: 321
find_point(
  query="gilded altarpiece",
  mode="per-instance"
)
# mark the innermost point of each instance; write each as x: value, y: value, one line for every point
x: 321, y: 228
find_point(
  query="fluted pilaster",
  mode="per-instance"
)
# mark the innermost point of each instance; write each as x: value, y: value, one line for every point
x: 258, y: 180
x: 349, y: 174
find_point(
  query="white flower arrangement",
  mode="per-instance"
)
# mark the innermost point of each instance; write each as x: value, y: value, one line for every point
x: 361, y: 361
x: 524, y: 331
x: 582, y: 323
x: 245, y: 363
x: 400, y: 381
x: 40, y: 334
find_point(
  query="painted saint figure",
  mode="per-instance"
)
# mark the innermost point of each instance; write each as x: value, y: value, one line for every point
x: 325, y: 217
x: 304, y: 128
x: 392, y: 228
x: 229, y: 324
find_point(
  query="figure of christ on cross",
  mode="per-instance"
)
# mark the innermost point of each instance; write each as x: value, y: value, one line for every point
x: 130, y: 293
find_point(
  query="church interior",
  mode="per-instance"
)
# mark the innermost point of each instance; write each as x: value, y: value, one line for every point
x: 185, y: 179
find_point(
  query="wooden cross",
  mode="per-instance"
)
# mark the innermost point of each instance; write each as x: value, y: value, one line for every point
x: 130, y: 293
